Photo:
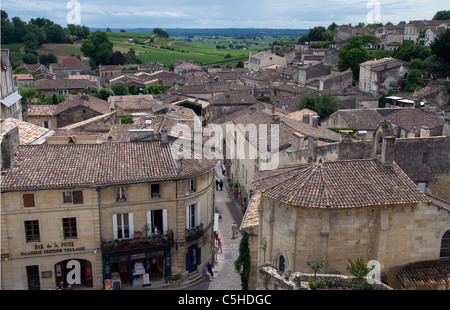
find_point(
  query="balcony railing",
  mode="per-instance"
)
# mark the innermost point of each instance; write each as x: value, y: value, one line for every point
x: 136, y: 243
x: 194, y: 233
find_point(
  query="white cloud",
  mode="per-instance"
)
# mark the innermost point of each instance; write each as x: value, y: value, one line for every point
x: 220, y: 14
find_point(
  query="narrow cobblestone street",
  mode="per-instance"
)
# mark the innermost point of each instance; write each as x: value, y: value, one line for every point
x: 226, y: 277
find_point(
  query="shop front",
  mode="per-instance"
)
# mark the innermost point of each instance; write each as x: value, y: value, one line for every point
x: 64, y: 273
x: 136, y: 267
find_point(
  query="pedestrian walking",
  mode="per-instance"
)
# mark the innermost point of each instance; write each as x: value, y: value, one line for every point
x: 219, y: 244
x: 234, y: 230
x: 217, y: 184
x: 221, y: 185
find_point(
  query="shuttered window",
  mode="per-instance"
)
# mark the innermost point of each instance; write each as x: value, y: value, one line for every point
x: 28, y: 200
x: 77, y: 196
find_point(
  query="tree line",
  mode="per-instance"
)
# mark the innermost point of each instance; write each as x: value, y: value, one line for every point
x: 38, y: 31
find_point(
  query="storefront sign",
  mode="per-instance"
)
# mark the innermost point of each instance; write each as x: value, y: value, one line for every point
x: 63, y: 247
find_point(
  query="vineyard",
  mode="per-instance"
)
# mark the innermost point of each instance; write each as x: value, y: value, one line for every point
x: 204, y: 51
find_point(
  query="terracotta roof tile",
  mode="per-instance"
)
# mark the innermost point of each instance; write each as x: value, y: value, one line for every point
x: 414, y: 119
x: 76, y: 165
x: 28, y: 133
x: 339, y: 184
x: 423, y: 273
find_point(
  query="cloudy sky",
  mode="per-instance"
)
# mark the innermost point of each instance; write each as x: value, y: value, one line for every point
x: 293, y: 14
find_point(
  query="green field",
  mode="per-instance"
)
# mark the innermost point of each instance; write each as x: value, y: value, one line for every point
x: 201, y: 50
x: 14, y: 50
x: 205, y: 51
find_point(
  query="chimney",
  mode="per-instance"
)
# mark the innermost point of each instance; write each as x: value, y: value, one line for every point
x: 141, y: 135
x: 388, y: 150
x: 298, y: 141
x: 164, y: 137
x: 179, y: 164
x: 315, y: 121
x: 275, y: 119
x: 305, y: 119
x: 10, y: 143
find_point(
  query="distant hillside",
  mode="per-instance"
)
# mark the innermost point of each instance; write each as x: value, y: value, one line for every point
x: 219, y: 31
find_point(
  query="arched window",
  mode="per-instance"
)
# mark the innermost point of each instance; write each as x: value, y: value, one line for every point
x: 281, y: 263
x: 445, y: 246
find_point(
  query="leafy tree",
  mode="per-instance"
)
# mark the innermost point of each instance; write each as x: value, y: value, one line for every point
x: 80, y: 32
x: 240, y: 64
x: 131, y: 58
x: 441, y: 46
x: 332, y: 26
x: 29, y: 59
x: 352, y: 54
x: 104, y: 93
x: 316, y: 33
x: 303, y: 39
x: 154, y: 89
x: 98, y: 48
x: 133, y: 89
x: 442, y: 15
x: 323, y: 104
x: 161, y: 33
x: 47, y: 59
x: 117, y: 58
x: 408, y: 51
x: 119, y: 90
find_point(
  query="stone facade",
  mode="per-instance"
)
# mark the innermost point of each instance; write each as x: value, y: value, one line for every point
x: 11, y: 105
x: 106, y: 226
x: 381, y: 75
x: 391, y: 234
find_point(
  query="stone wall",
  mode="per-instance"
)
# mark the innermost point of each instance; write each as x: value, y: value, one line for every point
x: 391, y: 234
x: 75, y: 115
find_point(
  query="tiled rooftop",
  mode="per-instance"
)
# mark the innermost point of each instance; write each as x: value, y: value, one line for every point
x: 28, y: 133
x: 423, y: 273
x: 55, y: 166
x: 339, y: 184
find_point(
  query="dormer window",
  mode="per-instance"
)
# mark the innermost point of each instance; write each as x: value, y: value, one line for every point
x: 192, y: 185
x: 120, y: 194
x: 155, y: 191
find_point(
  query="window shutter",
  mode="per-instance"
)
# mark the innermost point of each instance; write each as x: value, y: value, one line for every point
x: 149, y: 222
x: 77, y: 196
x: 164, y: 228
x: 28, y: 200
x: 130, y: 225
x: 116, y: 235
x: 187, y: 217
x: 197, y: 214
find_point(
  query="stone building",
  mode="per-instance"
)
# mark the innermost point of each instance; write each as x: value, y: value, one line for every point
x: 109, y: 72
x: 112, y: 215
x: 264, y: 59
x: 69, y: 65
x: 11, y: 105
x: 342, y: 210
x: 381, y: 74
x: 262, y: 138
x: 311, y: 71
x: 76, y: 108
